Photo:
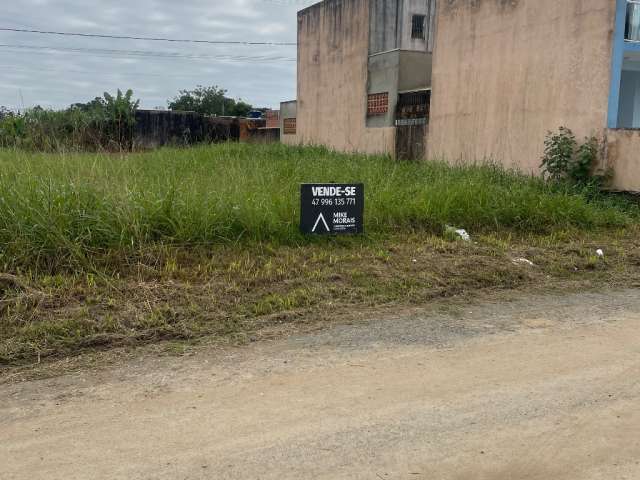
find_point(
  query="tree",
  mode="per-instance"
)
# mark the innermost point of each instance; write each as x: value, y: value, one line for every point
x: 96, y: 104
x: 120, y: 113
x: 5, y: 112
x: 112, y: 117
x: 209, y: 101
x: 242, y: 109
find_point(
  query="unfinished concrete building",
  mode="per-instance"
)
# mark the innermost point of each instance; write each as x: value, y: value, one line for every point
x: 356, y: 60
x: 471, y: 80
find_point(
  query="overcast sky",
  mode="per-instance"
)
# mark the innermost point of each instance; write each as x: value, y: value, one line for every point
x: 46, y: 70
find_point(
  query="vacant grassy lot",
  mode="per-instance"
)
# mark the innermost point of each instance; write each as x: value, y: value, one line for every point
x: 109, y: 250
x: 60, y: 211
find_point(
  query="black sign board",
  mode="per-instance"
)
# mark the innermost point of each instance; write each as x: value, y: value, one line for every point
x: 331, y: 208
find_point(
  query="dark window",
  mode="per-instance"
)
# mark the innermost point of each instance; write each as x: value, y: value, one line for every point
x: 378, y: 104
x: 413, y: 107
x: 632, y: 27
x: 417, y: 26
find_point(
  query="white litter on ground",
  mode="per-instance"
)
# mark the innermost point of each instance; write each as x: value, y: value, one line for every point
x: 523, y: 261
x: 459, y: 232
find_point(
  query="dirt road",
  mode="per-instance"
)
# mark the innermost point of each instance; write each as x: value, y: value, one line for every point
x: 536, y: 388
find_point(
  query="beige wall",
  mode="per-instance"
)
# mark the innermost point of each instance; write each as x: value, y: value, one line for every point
x: 506, y: 71
x: 333, y: 39
x: 391, y: 23
x: 622, y: 149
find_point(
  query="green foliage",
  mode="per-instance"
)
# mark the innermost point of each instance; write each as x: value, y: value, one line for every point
x: 584, y: 162
x: 94, y: 105
x: 5, y: 112
x: 565, y: 160
x: 120, y: 117
x: 11, y: 127
x: 105, y: 123
x: 57, y: 210
x: 209, y: 101
x: 558, y: 153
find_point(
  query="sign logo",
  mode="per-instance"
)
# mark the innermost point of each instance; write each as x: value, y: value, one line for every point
x: 320, y: 217
x: 331, y: 208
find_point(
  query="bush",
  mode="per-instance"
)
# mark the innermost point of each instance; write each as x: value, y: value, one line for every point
x: 565, y: 160
x: 209, y: 101
x: 104, y: 124
x: 12, y: 128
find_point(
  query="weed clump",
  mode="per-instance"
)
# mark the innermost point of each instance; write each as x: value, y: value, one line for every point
x: 104, y: 124
x: 566, y: 160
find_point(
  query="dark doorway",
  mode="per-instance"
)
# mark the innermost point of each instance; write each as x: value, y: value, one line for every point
x: 410, y: 142
x: 412, y: 123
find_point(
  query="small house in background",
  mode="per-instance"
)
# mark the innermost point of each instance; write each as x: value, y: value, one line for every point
x: 273, y: 118
x: 260, y: 129
x: 288, y: 113
x: 469, y: 80
x: 250, y: 129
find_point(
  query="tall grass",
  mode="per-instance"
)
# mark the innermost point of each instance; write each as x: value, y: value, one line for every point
x: 52, y: 131
x: 60, y: 209
x: 104, y: 124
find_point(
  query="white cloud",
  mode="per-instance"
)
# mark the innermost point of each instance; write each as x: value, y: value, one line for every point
x: 58, y: 79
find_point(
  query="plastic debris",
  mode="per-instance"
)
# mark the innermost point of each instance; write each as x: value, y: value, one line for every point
x: 523, y: 261
x: 464, y: 235
x: 459, y: 233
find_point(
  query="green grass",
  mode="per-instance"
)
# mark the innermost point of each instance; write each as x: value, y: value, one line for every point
x: 184, y: 245
x: 61, y: 211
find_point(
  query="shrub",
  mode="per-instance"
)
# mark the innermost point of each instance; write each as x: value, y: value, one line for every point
x: 119, y: 118
x: 5, y: 112
x: 209, y: 101
x: 565, y: 160
x: 103, y: 124
x: 12, y: 128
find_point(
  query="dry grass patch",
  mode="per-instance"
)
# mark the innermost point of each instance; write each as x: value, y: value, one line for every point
x: 230, y: 294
